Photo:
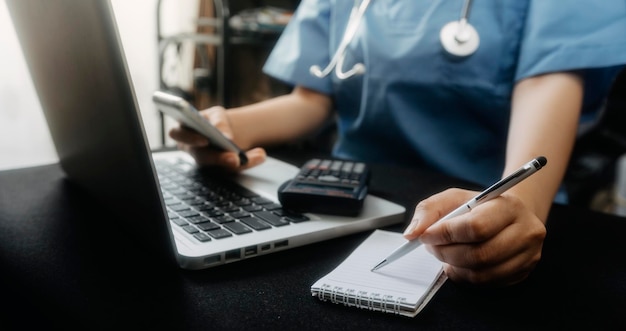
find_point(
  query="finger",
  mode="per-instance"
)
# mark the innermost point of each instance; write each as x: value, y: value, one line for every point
x: 430, y: 210
x: 475, y: 252
x: 508, y: 273
x: 473, y: 256
x: 480, y: 224
x: 255, y: 156
x: 204, y: 156
x: 216, y: 115
x: 517, y: 241
x: 232, y: 162
x: 187, y: 136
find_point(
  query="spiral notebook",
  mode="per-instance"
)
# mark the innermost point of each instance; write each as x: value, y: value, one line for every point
x: 404, y: 287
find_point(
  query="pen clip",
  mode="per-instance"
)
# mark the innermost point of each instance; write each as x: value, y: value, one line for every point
x: 493, y: 189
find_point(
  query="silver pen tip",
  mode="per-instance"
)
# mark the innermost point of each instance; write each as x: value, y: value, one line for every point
x: 382, y: 263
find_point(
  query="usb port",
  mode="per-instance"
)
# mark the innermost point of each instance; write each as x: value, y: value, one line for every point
x: 249, y: 251
x: 212, y: 259
x: 280, y: 244
x: 233, y: 255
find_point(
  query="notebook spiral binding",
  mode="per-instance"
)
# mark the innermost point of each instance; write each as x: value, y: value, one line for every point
x: 362, y: 299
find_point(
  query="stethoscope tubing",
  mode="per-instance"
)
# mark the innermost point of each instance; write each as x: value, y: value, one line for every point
x: 458, y: 38
x: 356, y: 15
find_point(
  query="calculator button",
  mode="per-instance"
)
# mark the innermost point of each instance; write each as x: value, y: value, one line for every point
x: 312, y: 163
x: 324, y: 165
x: 328, y: 178
x: 332, y: 173
x: 358, y: 168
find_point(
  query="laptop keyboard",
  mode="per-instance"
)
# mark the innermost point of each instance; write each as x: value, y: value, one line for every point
x: 210, y: 207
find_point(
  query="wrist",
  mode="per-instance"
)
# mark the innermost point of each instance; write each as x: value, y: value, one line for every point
x: 242, y: 133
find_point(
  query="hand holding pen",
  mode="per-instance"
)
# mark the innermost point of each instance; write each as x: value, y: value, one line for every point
x: 493, y: 191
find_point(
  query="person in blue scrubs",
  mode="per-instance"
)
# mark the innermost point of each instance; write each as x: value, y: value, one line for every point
x: 542, y: 69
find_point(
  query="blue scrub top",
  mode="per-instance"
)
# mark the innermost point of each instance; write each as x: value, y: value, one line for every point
x: 415, y: 104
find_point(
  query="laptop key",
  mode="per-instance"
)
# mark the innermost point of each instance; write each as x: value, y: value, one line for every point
x: 252, y: 208
x: 178, y: 207
x: 205, y: 207
x: 255, y: 223
x: 179, y: 221
x: 190, y: 229
x: 197, y: 219
x: 201, y: 236
x: 261, y: 200
x: 184, y: 195
x: 219, y: 233
x: 242, y: 202
x: 207, y: 226
x: 177, y: 190
x: 291, y: 216
x: 188, y: 213
x: 213, y: 213
x: 170, y: 201
x: 271, y: 218
x: 240, y: 214
x: 195, y: 202
x: 230, y: 209
x: 272, y: 206
x: 237, y: 228
x: 297, y: 218
x: 223, y: 219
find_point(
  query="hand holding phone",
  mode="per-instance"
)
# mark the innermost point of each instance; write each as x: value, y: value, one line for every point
x: 181, y: 110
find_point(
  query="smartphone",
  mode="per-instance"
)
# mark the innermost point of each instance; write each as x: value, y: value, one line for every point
x: 185, y: 113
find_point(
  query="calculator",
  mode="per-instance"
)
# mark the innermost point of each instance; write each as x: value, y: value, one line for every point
x: 327, y: 186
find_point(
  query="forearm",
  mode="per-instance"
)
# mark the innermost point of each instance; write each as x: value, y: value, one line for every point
x: 544, y: 120
x: 281, y: 119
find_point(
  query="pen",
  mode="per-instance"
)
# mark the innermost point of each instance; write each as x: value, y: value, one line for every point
x: 493, y: 191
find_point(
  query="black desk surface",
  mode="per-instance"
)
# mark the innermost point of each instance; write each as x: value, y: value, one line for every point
x: 65, y: 265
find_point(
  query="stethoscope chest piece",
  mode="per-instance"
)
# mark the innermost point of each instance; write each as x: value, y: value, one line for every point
x: 459, y: 38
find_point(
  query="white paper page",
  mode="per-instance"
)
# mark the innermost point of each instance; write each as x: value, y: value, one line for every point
x: 406, y: 280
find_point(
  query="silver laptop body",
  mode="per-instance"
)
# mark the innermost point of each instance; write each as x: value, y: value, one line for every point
x: 78, y: 67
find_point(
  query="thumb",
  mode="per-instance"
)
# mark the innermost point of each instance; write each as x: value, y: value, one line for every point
x: 430, y: 210
x: 216, y: 115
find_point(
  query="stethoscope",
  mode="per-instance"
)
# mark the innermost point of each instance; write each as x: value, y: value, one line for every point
x: 458, y: 38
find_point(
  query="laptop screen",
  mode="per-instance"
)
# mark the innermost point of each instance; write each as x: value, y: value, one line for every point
x: 76, y: 61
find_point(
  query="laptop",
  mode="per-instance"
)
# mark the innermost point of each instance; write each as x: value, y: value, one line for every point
x: 77, y: 64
